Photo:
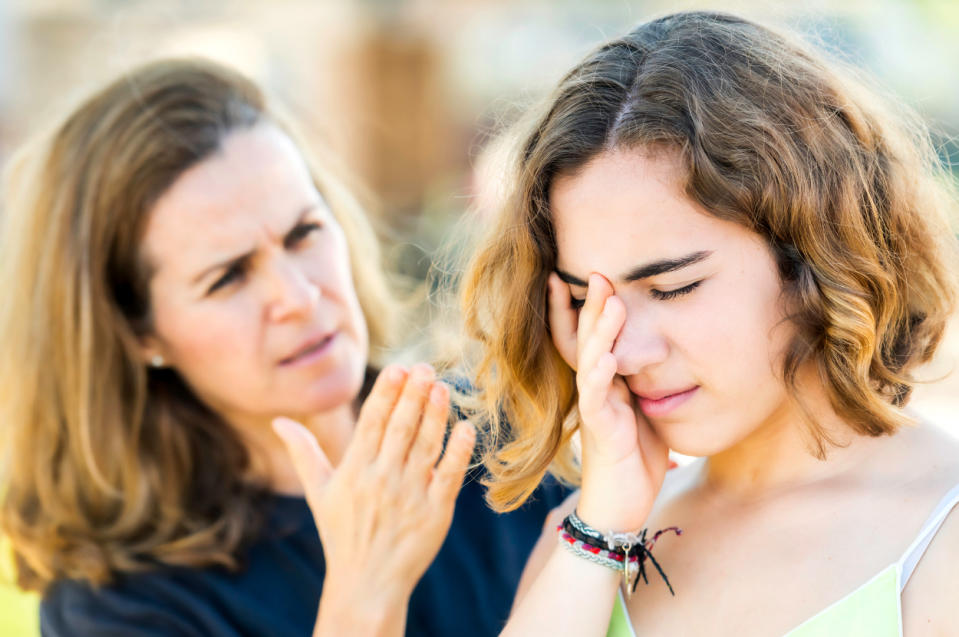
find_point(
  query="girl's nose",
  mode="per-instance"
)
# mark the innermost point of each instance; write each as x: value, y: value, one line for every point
x: 640, y: 344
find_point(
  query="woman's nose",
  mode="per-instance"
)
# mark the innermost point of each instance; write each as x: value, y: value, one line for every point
x: 640, y: 343
x: 291, y: 292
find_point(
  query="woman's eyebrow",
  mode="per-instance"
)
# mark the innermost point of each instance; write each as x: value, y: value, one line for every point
x: 646, y: 270
x: 306, y: 210
x: 234, y: 260
x: 241, y: 257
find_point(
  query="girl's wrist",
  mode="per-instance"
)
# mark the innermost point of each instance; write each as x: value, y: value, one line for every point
x: 607, y: 521
x: 609, y: 514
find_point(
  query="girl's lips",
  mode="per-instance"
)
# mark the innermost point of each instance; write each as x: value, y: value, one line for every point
x: 309, y: 354
x: 656, y: 407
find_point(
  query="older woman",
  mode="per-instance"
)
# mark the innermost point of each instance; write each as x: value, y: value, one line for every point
x: 190, y: 288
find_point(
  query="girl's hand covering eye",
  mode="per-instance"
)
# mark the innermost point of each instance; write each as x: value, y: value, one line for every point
x: 624, y: 460
x: 563, y: 317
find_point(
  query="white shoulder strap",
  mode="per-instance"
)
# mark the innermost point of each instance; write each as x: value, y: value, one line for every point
x: 909, y: 560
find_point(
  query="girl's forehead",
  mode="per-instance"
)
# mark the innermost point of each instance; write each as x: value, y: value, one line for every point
x: 624, y: 205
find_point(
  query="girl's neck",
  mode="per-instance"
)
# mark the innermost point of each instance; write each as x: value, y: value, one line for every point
x: 781, y: 454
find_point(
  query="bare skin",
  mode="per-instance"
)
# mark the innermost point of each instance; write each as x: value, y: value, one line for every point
x: 772, y: 535
x: 255, y: 307
x: 383, y: 512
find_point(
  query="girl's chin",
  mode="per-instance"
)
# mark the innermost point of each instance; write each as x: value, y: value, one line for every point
x: 690, y: 440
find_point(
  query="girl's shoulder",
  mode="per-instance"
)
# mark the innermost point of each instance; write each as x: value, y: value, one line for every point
x: 928, y: 456
x: 928, y: 597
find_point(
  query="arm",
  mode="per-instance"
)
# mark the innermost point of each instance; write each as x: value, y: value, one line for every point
x: 545, y: 546
x: 623, y: 461
x: 581, y: 606
x: 384, y: 512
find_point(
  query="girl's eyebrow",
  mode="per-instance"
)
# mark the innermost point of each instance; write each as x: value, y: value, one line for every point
x: 566, y: 277
x: 663, y: 266
x: 646, y: 270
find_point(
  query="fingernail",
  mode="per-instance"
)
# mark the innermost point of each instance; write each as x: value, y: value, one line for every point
x: 422, y: 373
x: 438, y: 394
x: 468, y: 433
x: 395, y: 373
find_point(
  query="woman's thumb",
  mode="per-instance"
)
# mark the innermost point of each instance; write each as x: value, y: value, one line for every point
x: 310, y: 463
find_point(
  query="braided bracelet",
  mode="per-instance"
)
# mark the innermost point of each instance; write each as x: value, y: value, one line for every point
x: 629, y: 566
x: 613, y: 550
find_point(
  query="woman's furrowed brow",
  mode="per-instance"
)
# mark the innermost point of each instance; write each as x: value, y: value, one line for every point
x: 225, y: 263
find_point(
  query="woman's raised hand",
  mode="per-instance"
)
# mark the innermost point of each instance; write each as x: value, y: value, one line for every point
x: 624, y: 460
x: 383, y: 513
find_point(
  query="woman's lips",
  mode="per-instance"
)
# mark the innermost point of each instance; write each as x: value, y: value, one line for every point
x: 657, y: 407
x: 309, y: 353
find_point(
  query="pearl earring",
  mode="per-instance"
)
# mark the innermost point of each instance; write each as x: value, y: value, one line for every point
x: 157, y: 361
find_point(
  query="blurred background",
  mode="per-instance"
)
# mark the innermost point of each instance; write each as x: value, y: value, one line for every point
x: 409, y: 93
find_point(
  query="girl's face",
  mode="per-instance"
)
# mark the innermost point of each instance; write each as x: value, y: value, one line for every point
x: 702, y: 345
x: 252, y: 294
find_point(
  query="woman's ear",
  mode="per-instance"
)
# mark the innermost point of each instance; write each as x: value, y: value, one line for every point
x: 152, y: 352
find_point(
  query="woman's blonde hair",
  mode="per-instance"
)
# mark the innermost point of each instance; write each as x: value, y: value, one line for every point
x: 848, y: 195
x: 110, y: 466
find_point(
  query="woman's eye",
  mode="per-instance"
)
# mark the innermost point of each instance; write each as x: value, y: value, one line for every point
x: 234, y: 273
x: 577, y: 304
x: 299, y: 233
x: 659, y: 295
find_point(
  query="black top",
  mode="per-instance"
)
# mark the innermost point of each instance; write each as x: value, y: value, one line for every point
x: 467, y: 591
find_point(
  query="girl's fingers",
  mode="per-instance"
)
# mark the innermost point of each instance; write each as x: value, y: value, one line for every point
x: 429, y: 442
x: 310, y: 463
x: 654, y: 451
x: 562, y: 319
x: 404, y: 422
x: 595, y: 385
x: 449, y: 473
x: 596, y: 294
x: 374, y: 414
x: 603, y: 336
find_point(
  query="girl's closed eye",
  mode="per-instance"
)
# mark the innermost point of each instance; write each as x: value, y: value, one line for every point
x: 576, y: 304
x: 661, y: 295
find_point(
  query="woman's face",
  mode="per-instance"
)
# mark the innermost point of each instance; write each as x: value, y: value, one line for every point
x: 702, y: 344
x: 252, y: 294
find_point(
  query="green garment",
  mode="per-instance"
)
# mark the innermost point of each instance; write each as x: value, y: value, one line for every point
x: 872, y: 610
